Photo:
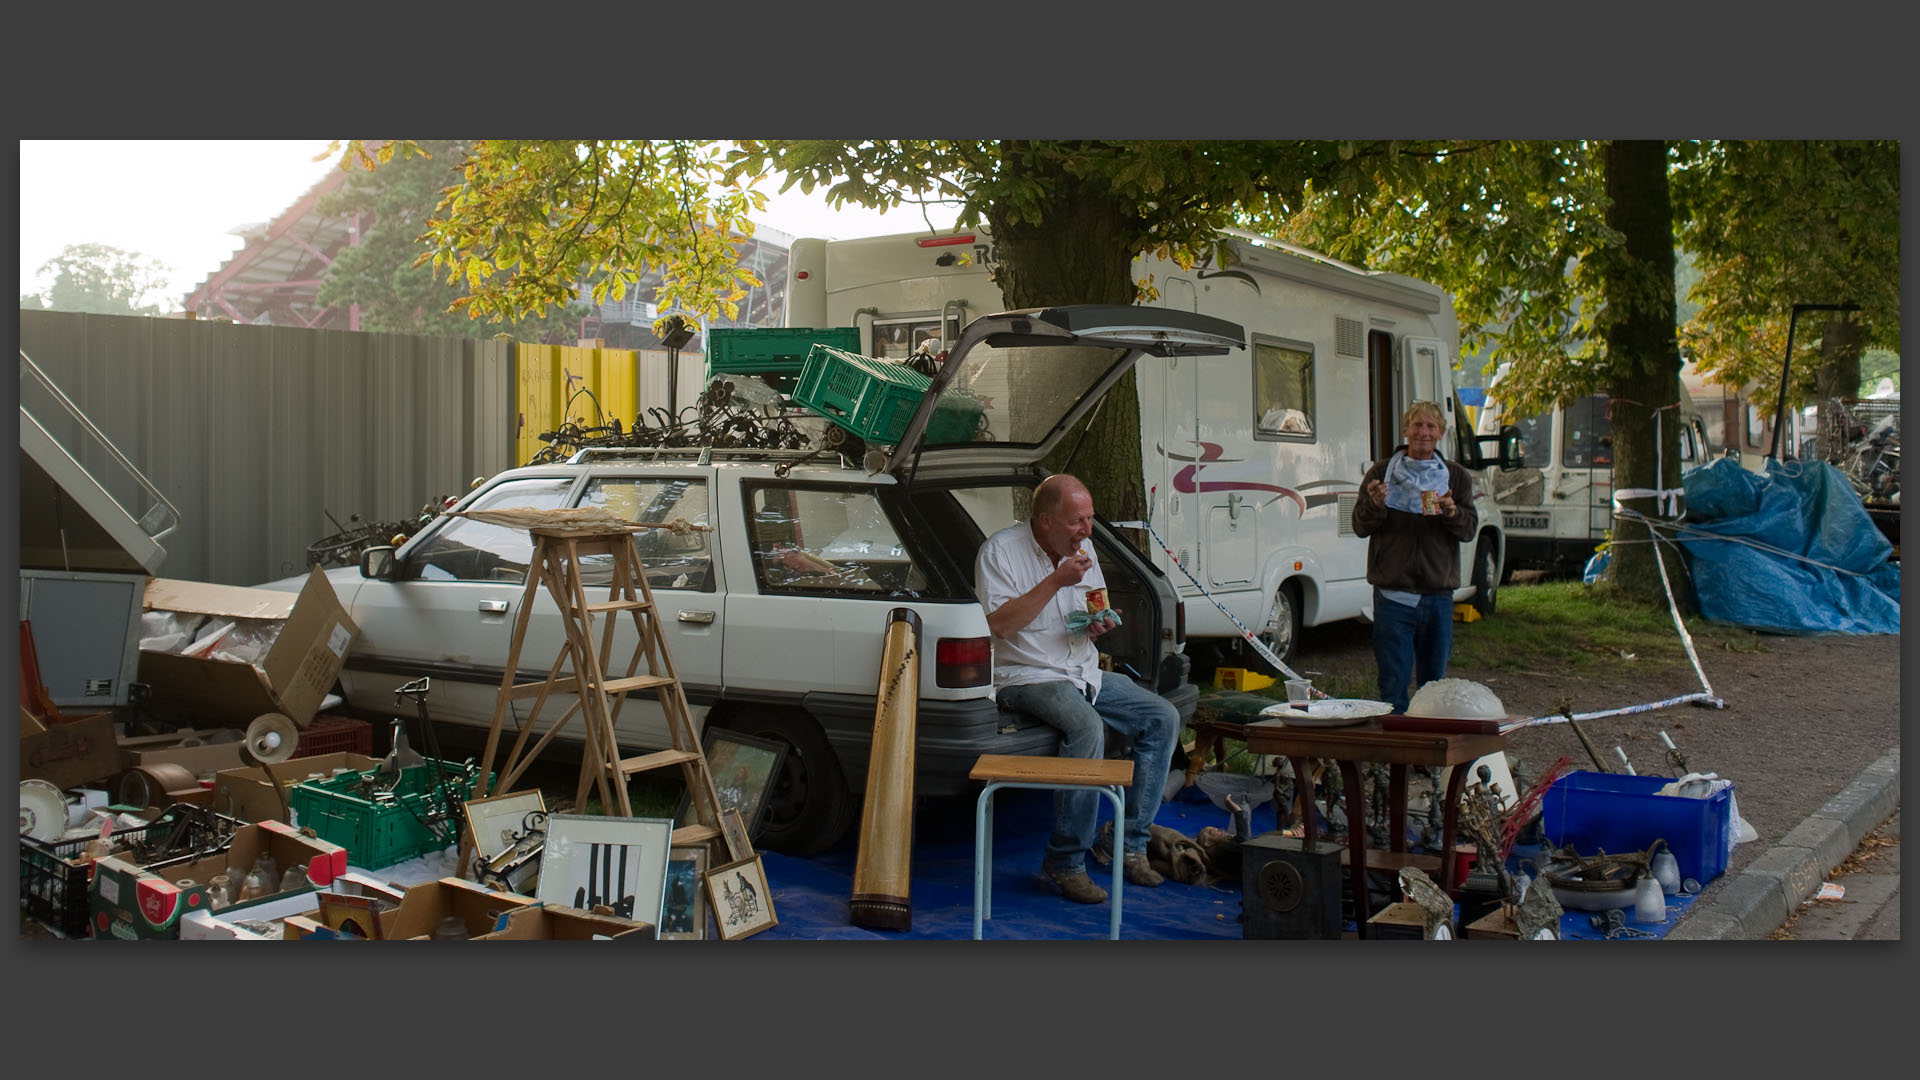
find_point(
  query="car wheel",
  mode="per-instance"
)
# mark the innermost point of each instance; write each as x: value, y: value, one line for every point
x: 1486, y: 578
x: 1282, y: 630
x: 810, y: 807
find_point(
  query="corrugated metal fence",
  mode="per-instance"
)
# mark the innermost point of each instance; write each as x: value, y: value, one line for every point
x: 255, y: 433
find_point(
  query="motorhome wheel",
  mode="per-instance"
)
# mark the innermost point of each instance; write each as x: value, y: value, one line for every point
x: 1282, y: 630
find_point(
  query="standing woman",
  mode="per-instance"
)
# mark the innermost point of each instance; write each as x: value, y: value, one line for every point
x: 1416, y: 508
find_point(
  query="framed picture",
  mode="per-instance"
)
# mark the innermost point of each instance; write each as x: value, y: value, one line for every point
x: 684, y: 915
x: 619, y: 862
x: 743, y: 768
x: 735, y: 832
x: 742, y: 903
x: 497, y: 820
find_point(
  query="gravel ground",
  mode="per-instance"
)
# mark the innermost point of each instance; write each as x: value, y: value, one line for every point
x: 1803, y: 716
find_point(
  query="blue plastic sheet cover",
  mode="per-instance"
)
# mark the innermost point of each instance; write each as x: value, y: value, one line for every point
x: 1830, y: 570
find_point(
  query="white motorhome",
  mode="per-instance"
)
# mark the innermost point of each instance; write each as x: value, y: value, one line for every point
x: 1557, y: 506
x: 1738, y: 420
x: 1252, y: 460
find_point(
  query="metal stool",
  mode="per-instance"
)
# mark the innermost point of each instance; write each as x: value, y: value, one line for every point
x: 1050, y: 773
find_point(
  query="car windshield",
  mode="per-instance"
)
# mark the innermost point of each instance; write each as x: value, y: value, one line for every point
x: 1017, y: 395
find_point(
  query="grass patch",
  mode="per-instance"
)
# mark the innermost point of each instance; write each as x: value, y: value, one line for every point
x: 1568, y: 627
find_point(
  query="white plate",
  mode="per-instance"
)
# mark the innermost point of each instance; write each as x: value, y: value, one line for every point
x: 43, y: 810
x: 1327, y: 712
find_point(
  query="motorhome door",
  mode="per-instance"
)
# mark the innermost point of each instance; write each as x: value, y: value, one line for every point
x: 1170, y: 416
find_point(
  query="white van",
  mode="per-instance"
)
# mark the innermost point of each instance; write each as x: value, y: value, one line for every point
x: 1557, y: 506
x: 1252, y: 460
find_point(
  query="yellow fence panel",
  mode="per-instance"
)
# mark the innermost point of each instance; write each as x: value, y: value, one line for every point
x: 590, y: 386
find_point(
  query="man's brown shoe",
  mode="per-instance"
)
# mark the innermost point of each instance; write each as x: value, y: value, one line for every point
x: 1075, y: 885
x: 1141, y: 872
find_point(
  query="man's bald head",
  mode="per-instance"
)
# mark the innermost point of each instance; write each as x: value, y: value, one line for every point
x: 1062, y: 514
x: 1049, y: 493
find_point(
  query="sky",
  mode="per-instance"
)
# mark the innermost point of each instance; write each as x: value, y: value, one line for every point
x: 180, y: 201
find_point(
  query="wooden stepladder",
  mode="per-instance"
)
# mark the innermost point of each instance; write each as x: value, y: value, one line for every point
x: 584, y: 668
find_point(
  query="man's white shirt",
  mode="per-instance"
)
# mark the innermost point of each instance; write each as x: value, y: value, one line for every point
x: 1009, y: 565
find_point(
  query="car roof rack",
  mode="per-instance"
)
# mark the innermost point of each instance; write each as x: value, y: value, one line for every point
x: 696, y: 453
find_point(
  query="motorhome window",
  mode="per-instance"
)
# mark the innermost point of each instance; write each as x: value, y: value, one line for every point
x: 899, y: 339
x: 1690, y: 449
x: 468, y: 550
x: 1283, y: 391
x: 1589, y: 434
x: 671, y: 560
x: 1017, y: 395
x: 829, y: 541
x: 1536, y: 440
x: 1756, y: 429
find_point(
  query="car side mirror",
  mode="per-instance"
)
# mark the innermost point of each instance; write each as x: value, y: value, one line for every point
x: 1513, y: 451
x: 377, y: 562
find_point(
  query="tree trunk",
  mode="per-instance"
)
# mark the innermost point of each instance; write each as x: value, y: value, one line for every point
x: 1644, y: 360
x: 1838, y: 375
x: 1079, y: 251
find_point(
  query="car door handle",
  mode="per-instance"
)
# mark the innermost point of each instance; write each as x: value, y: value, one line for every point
x: 493, y: 607
x: 704, y: 618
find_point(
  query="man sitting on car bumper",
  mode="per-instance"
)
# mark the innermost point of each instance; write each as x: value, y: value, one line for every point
x: 1032, y: 578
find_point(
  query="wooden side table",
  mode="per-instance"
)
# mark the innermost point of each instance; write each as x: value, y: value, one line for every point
x: 1369, y: 743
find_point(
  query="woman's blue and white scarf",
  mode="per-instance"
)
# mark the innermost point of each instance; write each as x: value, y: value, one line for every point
x: 1407, y: 477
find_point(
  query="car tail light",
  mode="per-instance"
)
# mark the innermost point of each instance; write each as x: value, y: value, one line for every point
x: 963, y: 662
x: 1179, y: 622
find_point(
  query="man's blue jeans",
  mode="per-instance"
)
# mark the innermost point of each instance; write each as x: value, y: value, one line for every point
x: 1149, y: 719
x: 1411, y: 641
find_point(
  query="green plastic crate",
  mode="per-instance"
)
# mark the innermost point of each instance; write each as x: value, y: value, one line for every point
x: 775, y: 354
x: 875, y: 399
x: 376, y: 832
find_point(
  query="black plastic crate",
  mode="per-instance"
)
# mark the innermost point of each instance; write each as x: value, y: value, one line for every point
x: 53, y: 887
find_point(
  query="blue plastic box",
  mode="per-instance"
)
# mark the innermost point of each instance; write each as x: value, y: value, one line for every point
x: 1593, y: 812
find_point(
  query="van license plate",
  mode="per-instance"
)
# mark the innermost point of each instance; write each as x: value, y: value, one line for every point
x: 1525, y: 521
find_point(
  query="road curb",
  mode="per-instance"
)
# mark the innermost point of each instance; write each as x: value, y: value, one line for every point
x: 1758, y: 900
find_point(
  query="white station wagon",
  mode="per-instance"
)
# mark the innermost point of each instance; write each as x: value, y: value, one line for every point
x: 769, y: 642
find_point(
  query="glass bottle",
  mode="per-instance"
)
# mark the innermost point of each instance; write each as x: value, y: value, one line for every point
x: 295, y: 878
x: 269, y: 870
x: 451, y: 928
x: 220, y: 892
x: 255, y: 886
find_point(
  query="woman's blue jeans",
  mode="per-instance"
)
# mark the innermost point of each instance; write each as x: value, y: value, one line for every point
x: 1411, y: 641
x: 1151, y: 721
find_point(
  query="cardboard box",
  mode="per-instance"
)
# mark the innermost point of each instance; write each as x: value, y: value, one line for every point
x: 298, y: 671
x: 424, y: 905
x: 136, y: 903
x: 543, y: 922
x: 70, y: 754
x: 312, y: 924
x: 203, y: 760
x: 198, y: 925
x: 244, y: 793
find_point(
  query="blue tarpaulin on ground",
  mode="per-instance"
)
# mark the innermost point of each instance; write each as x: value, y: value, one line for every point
x: 1824, y: 566
x: 811, y: 896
